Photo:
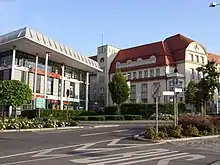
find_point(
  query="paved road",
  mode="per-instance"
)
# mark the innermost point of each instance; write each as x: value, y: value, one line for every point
x: 100, y: 146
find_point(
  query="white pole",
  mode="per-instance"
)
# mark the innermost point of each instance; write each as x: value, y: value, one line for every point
x: 157, y: 115
x: 45, y: 76
x: 217, y: 110
x: 35, y: 80
x: 62, y: 88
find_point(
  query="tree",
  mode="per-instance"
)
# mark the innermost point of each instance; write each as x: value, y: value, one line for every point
x: 190, y: 95
x: 14, y: 93
x: 119, y: 89
x: 208, y: 84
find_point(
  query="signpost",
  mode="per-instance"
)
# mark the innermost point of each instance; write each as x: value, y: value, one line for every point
x: 67, y: 95
x: 40, y: 104
x: 156, y: 94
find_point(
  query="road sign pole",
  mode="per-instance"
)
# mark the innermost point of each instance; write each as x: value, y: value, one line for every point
x: 157, y: 115
x: 174, y: 108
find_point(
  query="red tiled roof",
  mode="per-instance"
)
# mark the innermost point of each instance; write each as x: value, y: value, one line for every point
x: 214, y: 57
x: 177, y: 45
x: 167, y: 52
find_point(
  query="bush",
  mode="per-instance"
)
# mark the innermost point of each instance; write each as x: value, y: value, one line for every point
x: 114, y: 117
x: 25, y: 123
x: 161, y: 116
x: 150, y: 133
x: 56, y: 113
x: 96, y: 118
x: 202, y: 123
x: 132, y: 117
x: 191, y: 131
x: 80, y: 118
x: 176, y: 132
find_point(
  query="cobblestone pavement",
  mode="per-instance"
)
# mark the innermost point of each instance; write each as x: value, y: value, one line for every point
x: 205, y: 144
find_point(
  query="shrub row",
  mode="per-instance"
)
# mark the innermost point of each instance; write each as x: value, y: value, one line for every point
x: 145, y: 110
x: 24, y: 123
x: 56, y: 113
x: 106, y: 117
x: 189, y: 126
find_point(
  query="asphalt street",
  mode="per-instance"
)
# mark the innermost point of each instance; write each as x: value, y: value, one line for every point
x: 96, y: 146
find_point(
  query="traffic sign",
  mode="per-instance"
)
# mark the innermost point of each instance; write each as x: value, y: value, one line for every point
x: 168, y: 93
x: 155, y: 90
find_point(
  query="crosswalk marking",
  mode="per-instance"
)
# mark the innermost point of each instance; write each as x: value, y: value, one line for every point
x: 163, y: 155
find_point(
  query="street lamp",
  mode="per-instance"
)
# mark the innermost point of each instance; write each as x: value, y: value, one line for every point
x: 214, y: 4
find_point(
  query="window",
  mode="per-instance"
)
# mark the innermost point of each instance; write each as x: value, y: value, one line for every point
x: 191, y: 57
x: 144, y: 88
x: 133, y: 88
x: 192, y: 73
x: 202, y: 59
x: 38, y: 83
x: 197, y: 58
x: 180, y: 84
x: 144, y: 100
x: 157, y: 72
x: 140, y: 74
x: 49, y: 85
x: 145, y: 73
x: 101, y: 89
x: 129, y: 76
x: 151, y: 73
x: 134, y: 75
x: 72, y: 90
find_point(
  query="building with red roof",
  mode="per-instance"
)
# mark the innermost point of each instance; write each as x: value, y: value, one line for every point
x: 149, y: 65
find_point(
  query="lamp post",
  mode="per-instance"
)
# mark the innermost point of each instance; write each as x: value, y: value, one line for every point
x: 214, y: 4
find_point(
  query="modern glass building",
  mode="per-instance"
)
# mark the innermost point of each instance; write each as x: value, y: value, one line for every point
x: 49, y: 68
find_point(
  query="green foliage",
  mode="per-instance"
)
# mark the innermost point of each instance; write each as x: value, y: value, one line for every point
x: 208, y: 84
x: 145, y: 110
x: 161, y: 116
x: 119, y: 89
x: 96, y: 118
x: 14, y: 93
x: 56, y: 113
x: 24, y: 123
x: 191, y: 131
x: 132, y: 117
x: 190, y: 94
x: 114, y: 117
x: 150, y: 133
x: 176, y: 132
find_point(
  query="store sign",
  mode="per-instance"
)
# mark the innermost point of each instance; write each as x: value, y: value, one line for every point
x: 49, y: 74
x: 138, y: 62
x: 40, y: 103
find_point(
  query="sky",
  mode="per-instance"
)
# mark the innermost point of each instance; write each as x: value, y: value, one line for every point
x: 80, y: 24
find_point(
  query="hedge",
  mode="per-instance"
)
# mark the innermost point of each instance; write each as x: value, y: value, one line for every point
x: 145, y: 110
x: 106, y: 117
x: 56, y: 113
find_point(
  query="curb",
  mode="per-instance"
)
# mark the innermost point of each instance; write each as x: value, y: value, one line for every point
x: 104, y: 126
x: 141, y: 138
x: 58, y: 128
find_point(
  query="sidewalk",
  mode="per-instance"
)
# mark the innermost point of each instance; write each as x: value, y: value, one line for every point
x: 125, y: 122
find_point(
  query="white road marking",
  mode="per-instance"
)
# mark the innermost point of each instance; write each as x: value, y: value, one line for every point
x: 115, y: 143
x: 154, y: 158
x: 122, y: 130
x: 167, y: 160
x: 93, y: 134
x: 89, y: 151
x: 117, y: 156
x: 100, y: 133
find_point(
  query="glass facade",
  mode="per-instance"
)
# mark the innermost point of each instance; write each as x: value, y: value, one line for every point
x: 75, y: 78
